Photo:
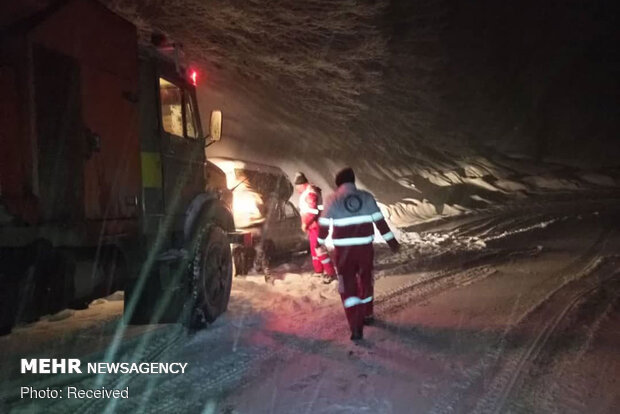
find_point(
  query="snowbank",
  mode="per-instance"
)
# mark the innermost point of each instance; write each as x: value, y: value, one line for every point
x: 81, y: 331
x: 599, y: 179
x: 553, y: 183
x: 433, y: 192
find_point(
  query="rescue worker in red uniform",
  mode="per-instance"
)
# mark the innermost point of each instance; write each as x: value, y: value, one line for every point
x: 353, y: 213
x: 310, y: 206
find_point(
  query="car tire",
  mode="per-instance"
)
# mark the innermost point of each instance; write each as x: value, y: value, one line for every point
x: 211, y: 271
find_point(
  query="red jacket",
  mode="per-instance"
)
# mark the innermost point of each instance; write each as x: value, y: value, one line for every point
x: 310, y: 206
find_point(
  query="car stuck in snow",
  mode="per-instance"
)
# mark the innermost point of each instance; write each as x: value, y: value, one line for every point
x: 261, y: 208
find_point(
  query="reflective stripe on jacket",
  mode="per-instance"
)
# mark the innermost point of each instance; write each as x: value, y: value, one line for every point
x: 353, y: 213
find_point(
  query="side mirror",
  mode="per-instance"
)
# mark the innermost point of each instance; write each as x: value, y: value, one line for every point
x: 215, y: 126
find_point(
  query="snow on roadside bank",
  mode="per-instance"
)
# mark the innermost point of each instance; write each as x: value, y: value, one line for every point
x: 599, y: 179
x: 437, y: 191
x: 433, y: 243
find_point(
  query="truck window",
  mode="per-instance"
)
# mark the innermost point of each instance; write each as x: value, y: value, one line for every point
x: 171, y: 98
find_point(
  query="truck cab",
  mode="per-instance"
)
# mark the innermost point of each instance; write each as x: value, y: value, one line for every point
x: 103, y: 182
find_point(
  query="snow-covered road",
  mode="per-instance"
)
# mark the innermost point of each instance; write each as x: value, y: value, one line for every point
x: 513, y: 311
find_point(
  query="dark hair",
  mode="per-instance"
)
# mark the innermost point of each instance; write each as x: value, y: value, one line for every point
x: 345, y: 175
x: 300, y: 178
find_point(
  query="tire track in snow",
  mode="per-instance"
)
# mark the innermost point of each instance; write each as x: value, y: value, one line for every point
x: 503, y: 387
x: 219, y: 376
x: 420, y: 290
x: 215, y: 374
x: 155, y: 350
x: 237, y: 369
x: 466, y: 259
x: 595, y: 327
x: 476, y: 228
x: 474, y: 376
x: 579, y: 327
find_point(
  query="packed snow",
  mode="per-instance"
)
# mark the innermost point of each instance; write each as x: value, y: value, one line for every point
x: 454, y: 308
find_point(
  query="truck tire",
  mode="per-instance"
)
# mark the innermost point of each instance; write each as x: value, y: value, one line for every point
x: 211, y: 271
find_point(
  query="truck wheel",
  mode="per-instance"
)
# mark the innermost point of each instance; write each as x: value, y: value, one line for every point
x: 212, y: 275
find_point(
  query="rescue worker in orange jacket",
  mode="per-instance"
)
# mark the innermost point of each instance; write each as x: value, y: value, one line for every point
x: 353, y: 213
x: 310, y: 206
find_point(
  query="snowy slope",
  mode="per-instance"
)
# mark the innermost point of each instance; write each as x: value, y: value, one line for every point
x: 385, y: 87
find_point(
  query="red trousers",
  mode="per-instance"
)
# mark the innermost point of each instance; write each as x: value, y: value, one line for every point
x: 320, y: 259
x: 355, y: 283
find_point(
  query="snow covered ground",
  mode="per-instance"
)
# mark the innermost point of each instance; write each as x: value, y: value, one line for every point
x: 505, y: 295
x: 508, y: 311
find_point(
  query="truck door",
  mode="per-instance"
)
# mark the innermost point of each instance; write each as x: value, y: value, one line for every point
x: 182, y: 146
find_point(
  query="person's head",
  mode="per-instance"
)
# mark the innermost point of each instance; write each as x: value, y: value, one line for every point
x: 346, y: 175
x: 300, y: 182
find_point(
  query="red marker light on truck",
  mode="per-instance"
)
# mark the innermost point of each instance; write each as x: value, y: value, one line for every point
x: 194, y: 77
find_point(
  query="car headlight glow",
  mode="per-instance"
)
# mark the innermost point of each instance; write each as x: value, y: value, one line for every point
x: 245, y: 208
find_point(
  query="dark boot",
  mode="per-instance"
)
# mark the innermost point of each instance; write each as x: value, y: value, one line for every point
x: 357, y: 334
